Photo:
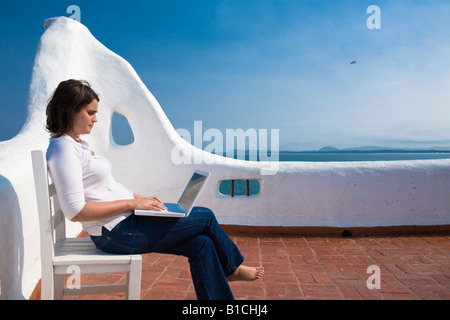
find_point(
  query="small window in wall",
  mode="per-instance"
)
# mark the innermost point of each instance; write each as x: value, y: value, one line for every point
x: 121, y: 130
x: 239, y: 187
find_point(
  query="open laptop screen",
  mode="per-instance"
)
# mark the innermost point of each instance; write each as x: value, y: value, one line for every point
x: 192, y: 190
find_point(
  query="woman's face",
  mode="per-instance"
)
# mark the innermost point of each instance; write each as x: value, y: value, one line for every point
x: 83, y: 121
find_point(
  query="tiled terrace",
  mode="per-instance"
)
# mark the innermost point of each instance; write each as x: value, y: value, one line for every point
x: 412, y: 267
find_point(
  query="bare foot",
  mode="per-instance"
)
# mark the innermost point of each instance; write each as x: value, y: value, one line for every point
x: 244, y: 273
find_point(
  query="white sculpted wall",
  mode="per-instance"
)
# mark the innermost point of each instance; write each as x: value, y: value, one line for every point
x: 295, y: 194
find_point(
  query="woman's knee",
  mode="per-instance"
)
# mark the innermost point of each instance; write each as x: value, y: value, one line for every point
x: 204, y: 213
x: 203, y: 210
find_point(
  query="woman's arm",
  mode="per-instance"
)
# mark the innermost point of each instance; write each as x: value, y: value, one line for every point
x: 102, y: 210
x: 65, y: 168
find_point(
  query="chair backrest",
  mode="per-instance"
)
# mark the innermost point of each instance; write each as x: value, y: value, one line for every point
x: 51, y: 217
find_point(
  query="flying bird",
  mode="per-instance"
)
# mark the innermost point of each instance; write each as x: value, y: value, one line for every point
x: 354, y: 62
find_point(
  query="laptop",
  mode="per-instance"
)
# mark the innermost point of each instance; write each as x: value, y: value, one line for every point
x: 183, y: 207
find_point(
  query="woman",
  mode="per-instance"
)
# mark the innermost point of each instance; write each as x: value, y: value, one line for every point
x: 89, y: 194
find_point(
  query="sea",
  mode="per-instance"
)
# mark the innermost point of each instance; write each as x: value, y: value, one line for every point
x: 360, y: 156
x: 316, y: 156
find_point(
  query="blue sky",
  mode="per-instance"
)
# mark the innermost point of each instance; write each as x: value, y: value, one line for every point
x: 264, y: 64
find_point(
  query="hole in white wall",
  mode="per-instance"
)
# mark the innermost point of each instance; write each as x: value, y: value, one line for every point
x: 239, y: 187
x: 121, y: 130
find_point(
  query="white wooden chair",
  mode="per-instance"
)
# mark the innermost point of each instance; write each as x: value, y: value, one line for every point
x: 61, y: 255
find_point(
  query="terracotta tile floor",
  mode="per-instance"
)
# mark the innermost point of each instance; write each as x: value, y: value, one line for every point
x: 411, y: 267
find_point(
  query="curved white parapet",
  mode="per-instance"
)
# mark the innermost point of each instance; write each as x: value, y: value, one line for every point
x: 362, y: 194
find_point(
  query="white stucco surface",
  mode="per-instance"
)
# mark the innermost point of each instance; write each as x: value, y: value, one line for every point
x: 296, y: 194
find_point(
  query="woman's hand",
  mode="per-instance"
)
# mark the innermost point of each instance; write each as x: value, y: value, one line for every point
x: 148, y: 203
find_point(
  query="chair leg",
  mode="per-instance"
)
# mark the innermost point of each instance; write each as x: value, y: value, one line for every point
x: 47, y: 286
x: 133, y: 291
x: 59, y: 286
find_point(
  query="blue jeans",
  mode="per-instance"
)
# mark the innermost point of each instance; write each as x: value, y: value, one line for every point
x: 213, y: 256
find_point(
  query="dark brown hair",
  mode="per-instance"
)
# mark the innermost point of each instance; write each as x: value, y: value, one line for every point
x: 69, y: 98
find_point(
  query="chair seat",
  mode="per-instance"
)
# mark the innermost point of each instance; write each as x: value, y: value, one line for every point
x: 82, y: 251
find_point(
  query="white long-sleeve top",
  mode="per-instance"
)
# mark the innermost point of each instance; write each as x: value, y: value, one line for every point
x: 80, y: 176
